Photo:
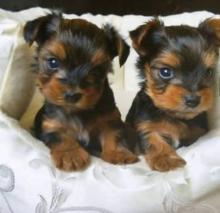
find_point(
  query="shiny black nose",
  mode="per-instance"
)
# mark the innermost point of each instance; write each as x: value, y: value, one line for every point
x: 192, y: 100
x: 72, y: 97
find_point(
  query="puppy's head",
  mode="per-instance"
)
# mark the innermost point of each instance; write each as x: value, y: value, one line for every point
x: 73, y: 58
x: 177, y: 64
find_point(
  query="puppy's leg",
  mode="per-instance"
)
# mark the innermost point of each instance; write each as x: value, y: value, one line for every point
x: 194, y: 132
x: 65, y: 151
x: 160, y: 155
x: 157, y: 141
x: 112, y: 149
x: 68, y: 155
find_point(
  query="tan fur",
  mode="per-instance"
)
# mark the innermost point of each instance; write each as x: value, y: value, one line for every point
x: 69, y: 156
x: 89, y: 98
x: 176, y: 131
x: 102, y: 122
x: 160, y: 155
x: 210, y: 59
x: 99, y: 57
x: 52, y: 89
x: 172, y: 98
x: 75, y: 43
x: 137, y: 40
x: 167, y: 59
x: 215, y: 25
x: 52, y: 125
x: 113, y: 152
x: 55, y: 48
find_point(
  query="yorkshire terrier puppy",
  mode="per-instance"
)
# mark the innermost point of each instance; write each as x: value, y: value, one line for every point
x: 176, y: 65
x: 79, y: 116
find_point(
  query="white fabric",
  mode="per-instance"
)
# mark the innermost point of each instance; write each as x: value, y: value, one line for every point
x: 15, y: 72
x: 30, y: 183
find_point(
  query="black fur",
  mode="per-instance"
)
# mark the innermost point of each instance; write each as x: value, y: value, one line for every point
x: 188, y: 44
x: 143, y: 109
x: 82, y: 69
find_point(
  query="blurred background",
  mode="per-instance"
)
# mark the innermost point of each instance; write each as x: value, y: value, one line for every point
x: 119, y: 7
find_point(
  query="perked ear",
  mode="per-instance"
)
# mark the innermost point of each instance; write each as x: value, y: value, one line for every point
x: 42, y: 28
x: 116, y: 44
x: 210, y: 28
x: 147, y: 35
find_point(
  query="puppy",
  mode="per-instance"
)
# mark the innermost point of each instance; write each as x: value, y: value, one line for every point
x: 176, y: 65
x: 79, y: 116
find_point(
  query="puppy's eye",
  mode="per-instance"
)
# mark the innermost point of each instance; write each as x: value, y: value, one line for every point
x: 63, y: 80
x: 209, y: 72
x: 85, y: 83
x: 53, y: 63
x: 166, y: 73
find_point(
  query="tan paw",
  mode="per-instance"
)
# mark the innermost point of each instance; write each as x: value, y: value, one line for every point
x: 165, y: 162
x: 119, y: 157
x: 71, y: 160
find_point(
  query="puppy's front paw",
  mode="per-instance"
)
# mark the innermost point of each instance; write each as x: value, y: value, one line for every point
x: 165, y: 161
x: 71, y: 160
x: 119, y: 157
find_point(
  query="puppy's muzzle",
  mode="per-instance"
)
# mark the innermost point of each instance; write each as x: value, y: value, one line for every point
x: 72, y: 96
x: 192, y: 101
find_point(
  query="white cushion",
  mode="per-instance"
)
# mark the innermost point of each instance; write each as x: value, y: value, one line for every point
x: 16, y: 81
x: 29, y: 182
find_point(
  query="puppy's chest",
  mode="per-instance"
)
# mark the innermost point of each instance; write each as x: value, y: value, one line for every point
x: 78, y: 127
x: 82, y: 126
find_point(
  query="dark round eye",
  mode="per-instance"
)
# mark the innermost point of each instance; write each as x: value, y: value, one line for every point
x: 86, y: 83
x: 166, y: 73
x: 63, y: 80
x: 209, y: 73
x: 53, y: 63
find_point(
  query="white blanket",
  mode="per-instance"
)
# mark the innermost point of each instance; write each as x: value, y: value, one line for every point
x: 30, y: 183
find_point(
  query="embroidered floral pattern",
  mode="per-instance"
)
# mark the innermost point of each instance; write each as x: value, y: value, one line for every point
x: 7, y: 184
x: 59, y: 195
x: 173, y: 204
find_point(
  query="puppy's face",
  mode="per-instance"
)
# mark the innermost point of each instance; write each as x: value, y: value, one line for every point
x: 178, y: 64
x: 73, y: 59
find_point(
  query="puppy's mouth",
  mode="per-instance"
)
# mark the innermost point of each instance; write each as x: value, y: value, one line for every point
x: 67, y: 100
x: 71, y: 97
x: 186, y: 112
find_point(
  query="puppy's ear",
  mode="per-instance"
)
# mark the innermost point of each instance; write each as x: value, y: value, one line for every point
x: 148, y: 36
x: 41, y: 29
x: 116, y: 44
x: 210, y: 28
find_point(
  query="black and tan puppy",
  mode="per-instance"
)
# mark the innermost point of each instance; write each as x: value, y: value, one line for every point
x: 176, y: 65
x: 79, y: 115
